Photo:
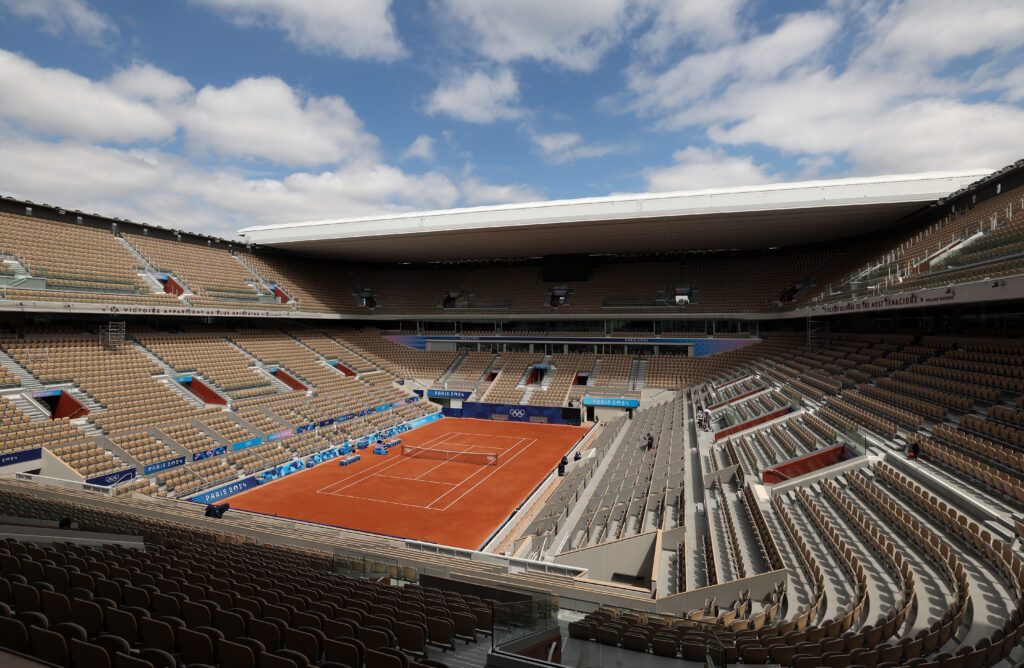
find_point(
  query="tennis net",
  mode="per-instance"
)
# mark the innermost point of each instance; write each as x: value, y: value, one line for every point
x: 480, y: 458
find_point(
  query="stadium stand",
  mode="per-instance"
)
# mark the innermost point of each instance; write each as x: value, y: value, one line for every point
x: 855, y: 500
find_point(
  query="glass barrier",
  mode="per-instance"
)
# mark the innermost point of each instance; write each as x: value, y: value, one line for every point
x: 538, y: 628
x: 515, y: 625
x: 360, y: 565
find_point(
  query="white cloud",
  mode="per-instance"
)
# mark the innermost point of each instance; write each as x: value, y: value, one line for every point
x: 146, y: 82
x: 933, y: 32
x: 265, y: 118
x: 422, y: 147
x: 558, y: 147
x: 476, y: 193
x: 477, y: 97
x: 696, y: 168
x: 363, y: 29
x: 704, y: 75
x: 573, y: 34
x: 906, y: 91
x: 65, y: 16
x: 166, y: 189
x: 59, y: 102
x: 706, y: 23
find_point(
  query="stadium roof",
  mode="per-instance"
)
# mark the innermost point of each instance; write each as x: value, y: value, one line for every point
x: 751, y: 217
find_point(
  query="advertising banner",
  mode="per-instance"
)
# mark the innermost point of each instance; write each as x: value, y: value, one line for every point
x: 160, y: 466
x: 112, y: 478
x: 242, y: 445
x: 225, y: 491
x: 449, y: 394
x: 611, y: 401
x: 9, y: 458
x: 514, y: 412
x: 215, y: 452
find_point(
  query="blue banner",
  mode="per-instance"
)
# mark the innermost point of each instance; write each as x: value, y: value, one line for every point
x: 304, y: 428
x: 418, y: 393
x: 160, y: 277
x: 45, y: 393
x: 184, y: 379
x: 9, y: 458
x: 449, y: 394
x: 281, y: 434
x: 325, y: 423
x: 225, y: 491
x: 701, y: 346
x: 326, y: 455
x: 515, y: 412
x: 280, y: 471
x: 611, y: 401
x: 242, y: 445
x: 216, y: 452
x: 426, y: 419
x: 112, y: 478
x: 160, y: 466
x: 345, y: 418
x: 451, y: 412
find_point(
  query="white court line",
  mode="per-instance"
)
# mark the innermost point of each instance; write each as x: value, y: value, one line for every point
x: 372, y: 470
x: 433, y: 482
x: 439, y: 465
x: 496, y: 468
x: 394, y: 503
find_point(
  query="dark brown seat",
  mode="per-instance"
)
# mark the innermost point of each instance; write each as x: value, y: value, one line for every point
x: 55, y: 606
x: 48, y: 645
x: 88, y: 654
x: 441, y: 633
x: 88, y: 615
x: 298, y: 658
x: 348, y: 651
x: 382, y: 659
x: 268, y: 660
x: 412, y: 638
x: 374, y: 637
x: 266, y: 632
x: 113, y: 644
x: 303, y: 642
x: 122, y: 624
x: 235, y: 655
x: 465, y: 626
x: 156, y: 657
x: 194, y: 646
x: 122, y: 660
x: 664, y: 645
x: 754, y: 654
x: 157, y: 633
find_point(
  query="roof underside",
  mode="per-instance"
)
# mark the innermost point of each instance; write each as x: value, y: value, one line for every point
x: 741, y: 218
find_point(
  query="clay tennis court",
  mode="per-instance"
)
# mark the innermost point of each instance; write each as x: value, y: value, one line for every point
x: 426, y: 496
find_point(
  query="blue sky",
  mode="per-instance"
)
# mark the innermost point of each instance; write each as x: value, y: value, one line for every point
x: 212, y: 115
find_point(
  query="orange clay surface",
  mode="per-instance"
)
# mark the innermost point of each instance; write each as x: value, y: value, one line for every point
x: 447, y: 502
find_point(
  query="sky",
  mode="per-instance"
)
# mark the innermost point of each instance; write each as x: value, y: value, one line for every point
x: 213, y: 115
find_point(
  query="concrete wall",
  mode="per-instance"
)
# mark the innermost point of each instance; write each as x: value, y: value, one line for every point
x: 633, y: 556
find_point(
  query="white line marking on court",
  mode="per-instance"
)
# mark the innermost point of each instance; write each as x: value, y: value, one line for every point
x: 373, y: 469
x: 496, y: 468
x: 434, y: 482
x: 438, y: 443
x: 394, y: 503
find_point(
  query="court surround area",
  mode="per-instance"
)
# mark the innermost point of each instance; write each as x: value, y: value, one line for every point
x: 455, y: 483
